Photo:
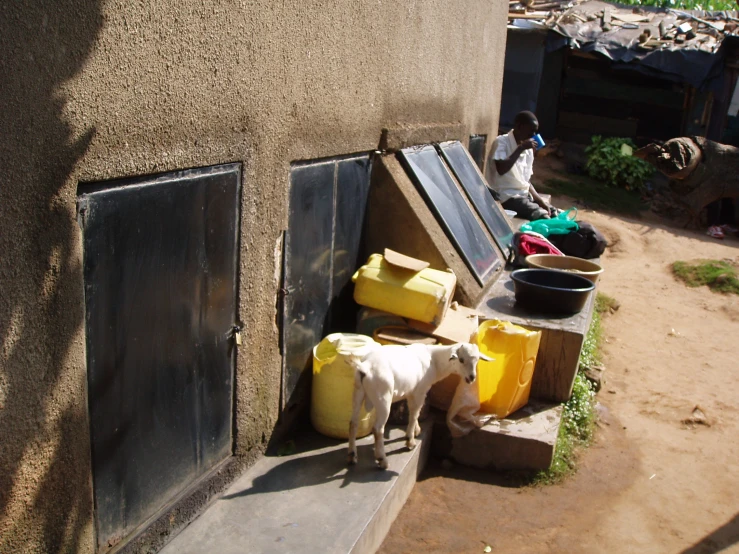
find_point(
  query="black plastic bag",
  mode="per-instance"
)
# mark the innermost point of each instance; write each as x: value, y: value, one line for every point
x: 587, y: 242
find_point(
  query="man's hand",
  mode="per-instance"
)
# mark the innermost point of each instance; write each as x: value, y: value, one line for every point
x: 527, y: 144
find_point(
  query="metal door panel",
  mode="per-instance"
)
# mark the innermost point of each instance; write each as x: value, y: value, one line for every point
x: 352, y: 191
x: 477, y: 149
x: 328, y: 199
x: 308, y: 268
x: 160, y: 258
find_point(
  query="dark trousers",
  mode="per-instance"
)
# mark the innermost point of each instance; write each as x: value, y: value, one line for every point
x: 525, y: 208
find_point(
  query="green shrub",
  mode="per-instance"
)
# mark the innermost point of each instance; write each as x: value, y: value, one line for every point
x: 608, y: 164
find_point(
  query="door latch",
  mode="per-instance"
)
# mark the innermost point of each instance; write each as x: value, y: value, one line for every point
x: 236, y: 334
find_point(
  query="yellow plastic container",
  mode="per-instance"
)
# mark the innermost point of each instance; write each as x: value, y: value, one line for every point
x: 422, y: 295
x: 333, y: 387
x: 505, y: 383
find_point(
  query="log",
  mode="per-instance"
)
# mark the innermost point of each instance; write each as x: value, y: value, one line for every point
x: 701, y: 171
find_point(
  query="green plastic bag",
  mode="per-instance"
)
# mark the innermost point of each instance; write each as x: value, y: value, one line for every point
x: 561, y: 225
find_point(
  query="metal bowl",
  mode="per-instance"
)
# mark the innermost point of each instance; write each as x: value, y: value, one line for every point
x: 551, y: 291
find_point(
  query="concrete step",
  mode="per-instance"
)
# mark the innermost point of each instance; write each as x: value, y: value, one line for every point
x: 525, y: 440
x: 310, y: 501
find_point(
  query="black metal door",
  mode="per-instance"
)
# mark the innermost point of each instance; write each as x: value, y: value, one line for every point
x: 160, y: 257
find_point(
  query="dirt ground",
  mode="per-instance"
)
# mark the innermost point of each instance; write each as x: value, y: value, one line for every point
x: 650, y: 482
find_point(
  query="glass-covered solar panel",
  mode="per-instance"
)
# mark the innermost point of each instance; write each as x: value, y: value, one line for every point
x: 472, y: 181
x: 436, y: 184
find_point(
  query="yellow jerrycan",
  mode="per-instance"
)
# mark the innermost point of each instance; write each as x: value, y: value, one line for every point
x: 505, y: 383
x: 333, y: 386
x: 394, y: 283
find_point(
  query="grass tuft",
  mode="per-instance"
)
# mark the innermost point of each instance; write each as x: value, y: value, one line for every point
x: 718, y: 275
x: 575, y: 433
x: 578, y: 413
x: 596, y: 195
x: 605, y: 303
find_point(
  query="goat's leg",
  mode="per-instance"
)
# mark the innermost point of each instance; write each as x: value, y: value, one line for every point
x: 357, y: 400
x: 382, y: 412
x: 414, y: 429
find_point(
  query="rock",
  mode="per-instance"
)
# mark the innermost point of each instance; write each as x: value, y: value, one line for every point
x: 697, y: 417
x: 594, y: 374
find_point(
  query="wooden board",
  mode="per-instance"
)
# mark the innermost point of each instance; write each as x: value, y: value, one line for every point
x: 406, y: 262
x: 458, y: 325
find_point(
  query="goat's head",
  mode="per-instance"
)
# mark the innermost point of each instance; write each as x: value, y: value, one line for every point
x: 467, y: 355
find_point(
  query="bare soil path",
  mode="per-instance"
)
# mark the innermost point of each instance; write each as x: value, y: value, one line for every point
x: 650, y: 482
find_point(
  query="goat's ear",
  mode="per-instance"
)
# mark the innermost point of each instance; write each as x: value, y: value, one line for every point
x: 453, y: 353
x: 486, y: 358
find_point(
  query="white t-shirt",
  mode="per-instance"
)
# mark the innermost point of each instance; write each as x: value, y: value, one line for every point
x: 516, y: 181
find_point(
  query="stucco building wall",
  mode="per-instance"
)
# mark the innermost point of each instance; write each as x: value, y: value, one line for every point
x: 94, y: 90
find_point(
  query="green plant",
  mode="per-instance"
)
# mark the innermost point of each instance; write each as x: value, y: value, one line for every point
x: 608, y: 163
x: 589, y: 355
x: 578, y: 413
x: 718, y: 275
x: 707, y: 5
x: 575, y: 432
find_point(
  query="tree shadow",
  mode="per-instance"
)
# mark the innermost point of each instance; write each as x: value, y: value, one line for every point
x: 720, y: 539
x: 42, y: 45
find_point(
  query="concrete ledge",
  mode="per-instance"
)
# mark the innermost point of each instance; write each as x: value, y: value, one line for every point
x: 524, y: 440
x: 310, y: 501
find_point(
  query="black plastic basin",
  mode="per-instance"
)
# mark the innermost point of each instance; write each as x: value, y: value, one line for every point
x: 549, y: 291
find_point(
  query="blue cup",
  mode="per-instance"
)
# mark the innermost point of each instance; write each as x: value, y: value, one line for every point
x: 539, y: 141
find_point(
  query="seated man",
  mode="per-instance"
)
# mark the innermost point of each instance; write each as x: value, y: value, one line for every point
x: 510, y: 167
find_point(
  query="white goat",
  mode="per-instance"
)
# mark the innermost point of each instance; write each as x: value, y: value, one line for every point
x: 387, y: 374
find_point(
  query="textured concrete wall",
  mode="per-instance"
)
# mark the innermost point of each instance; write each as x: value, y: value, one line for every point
x: 96, y: 90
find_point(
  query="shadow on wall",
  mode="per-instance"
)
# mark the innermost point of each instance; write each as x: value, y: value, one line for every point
x: 45, y: 490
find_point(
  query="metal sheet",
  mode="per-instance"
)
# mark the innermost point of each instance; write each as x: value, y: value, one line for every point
x: 352, y: 191
x: 436, y: 184
x: 477, y: 149
x: 328, y: 199
x: 473, y: 183
x: 308, y: 267
x: 160, y: 288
